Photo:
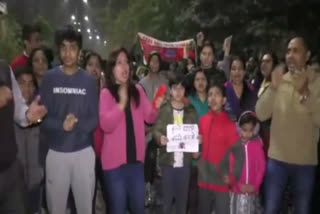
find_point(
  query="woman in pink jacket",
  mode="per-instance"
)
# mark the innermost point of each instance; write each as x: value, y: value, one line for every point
x: 124, y: 108
x: 243, y: 167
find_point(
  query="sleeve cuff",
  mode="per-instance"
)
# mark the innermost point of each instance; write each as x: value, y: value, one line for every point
x: 310, y: 103
x: 22, y: 118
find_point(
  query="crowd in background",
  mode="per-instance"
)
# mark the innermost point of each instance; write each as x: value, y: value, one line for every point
x: 90, y: 135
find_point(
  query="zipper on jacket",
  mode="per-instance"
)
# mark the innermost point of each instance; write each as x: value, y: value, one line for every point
x: 247, y: 163
x: 209, y: 137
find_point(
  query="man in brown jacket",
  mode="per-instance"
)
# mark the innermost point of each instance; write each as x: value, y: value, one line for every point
x: 293, y: 101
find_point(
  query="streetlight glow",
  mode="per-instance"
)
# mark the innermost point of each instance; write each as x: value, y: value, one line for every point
x: 90, y: 37
x: 79, y: 23
x: 75, y: 23
x: 73, y: 17
x: 89, y: 31
x: 86, y: 18
x: 98, y: 37
x: 85, y: 1
x: 79, y: 30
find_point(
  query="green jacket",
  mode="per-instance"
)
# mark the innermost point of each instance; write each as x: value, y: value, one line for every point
x: 160, y: 128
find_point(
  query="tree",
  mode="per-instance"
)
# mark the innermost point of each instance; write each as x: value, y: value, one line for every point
x: 11, y: 44
x: 254, y: 24
x: 47, y: 32
x: 156, y: 18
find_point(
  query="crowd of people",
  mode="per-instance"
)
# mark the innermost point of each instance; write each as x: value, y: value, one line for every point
x: 91, y: 135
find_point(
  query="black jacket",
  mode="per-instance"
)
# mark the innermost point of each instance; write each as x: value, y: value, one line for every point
x: 8, y: 147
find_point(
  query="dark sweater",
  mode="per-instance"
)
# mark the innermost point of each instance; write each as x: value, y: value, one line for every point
x: 8, y: 147
x: 131, y: 142
x: 63, y: 94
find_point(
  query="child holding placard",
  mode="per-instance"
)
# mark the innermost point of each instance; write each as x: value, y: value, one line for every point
x: 175, y: 166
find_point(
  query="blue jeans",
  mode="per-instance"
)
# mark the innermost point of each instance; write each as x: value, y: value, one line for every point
x: 301, y: 179
x: 125, y: 189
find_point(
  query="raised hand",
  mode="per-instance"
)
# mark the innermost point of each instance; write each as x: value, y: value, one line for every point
x: 200, y: 38
x: 227, y: 45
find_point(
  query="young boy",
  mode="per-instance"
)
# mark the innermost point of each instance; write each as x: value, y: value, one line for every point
x: 218, y: 134
x: 70, y: 95
x: 175, y: 166
x: 31, y: 36
x: 26, y: 82
x: 27, y: 139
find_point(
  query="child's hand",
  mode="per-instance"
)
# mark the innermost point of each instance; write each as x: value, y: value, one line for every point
x: 159, y: 101
x: 200, y: 139
x: 163, y: 140
x: 247, y: 188
x: 226, y: 179
x: 195, y: 155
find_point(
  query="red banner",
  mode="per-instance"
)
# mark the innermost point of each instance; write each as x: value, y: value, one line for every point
x: 169, y: 51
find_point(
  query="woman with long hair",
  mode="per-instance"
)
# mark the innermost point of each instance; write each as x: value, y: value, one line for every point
x: 40, y: 61
x: 124, y: 108
x: 240, y: 94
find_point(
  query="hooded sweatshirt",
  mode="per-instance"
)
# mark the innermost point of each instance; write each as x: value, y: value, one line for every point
x: 245, y: 163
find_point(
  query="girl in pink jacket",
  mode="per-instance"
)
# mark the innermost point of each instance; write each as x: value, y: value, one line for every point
x: 243, y: 167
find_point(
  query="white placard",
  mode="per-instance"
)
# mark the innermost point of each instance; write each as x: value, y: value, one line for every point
x: 183, y: 138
